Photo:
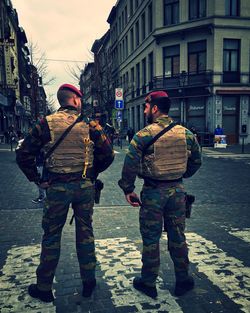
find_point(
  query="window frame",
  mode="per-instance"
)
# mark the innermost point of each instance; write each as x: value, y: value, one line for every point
x: 168, y: 55
x: 196, y: 5
x: 230, y: 54
x: 229, y: 8
x: 171, y: 4
x: 198, y: 53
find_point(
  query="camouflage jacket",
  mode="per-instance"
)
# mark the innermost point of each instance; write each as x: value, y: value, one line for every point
x: 39, y: 136
x: 133, y: 157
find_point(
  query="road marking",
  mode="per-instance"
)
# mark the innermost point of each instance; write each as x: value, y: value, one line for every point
x: 18, y: 272
x: 226, y: 155
x: 121, y: 261
x: 226, y: 272
x: 243, y: 234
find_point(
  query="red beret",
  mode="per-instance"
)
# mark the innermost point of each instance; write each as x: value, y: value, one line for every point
x: 156, y: 94
x: 71, y: 88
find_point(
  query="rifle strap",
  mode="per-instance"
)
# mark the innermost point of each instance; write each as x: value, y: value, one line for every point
x: 60, y: 139
x: 157, y: 136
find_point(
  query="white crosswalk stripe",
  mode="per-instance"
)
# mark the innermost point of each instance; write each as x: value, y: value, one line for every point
x: 226, y: 272
x: 120, y: 260
x: 116, y: 274
x: 243, y: 234
x: 18, y: 272
x: 245, y: 157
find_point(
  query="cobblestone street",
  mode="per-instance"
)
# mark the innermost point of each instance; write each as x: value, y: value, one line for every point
x: 218, y: 235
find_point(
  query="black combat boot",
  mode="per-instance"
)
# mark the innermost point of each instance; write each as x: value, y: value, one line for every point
x: 182, y: 287
x: 88, y: 288
x: 45, y: 296
x: 149, y: 291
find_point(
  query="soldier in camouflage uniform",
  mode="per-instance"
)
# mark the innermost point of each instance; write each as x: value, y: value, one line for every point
x: 71, y: 171
x: 175, y: 155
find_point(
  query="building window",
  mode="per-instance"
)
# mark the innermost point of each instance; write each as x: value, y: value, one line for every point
x: 231, y: 60
x: 132, y: 46
x: 232, y: 7
x: 144, y: 75
x: 138, y: 79
x: 137, y: 34
x: 143, y: 27
x: 126, y: 15
x: 197, y: 57
x: 132, y: 82
x: 120, y: 52
x: 171, y: 12
x: 122, y: 20
x: 126, y: 46
x: 123, y: 49
x: 151, y: 67
x: 131, y: 7
x: 197, y: 9
x: 120, y: 24
x: 150, y: 18
x: 126, y: 83
x: 171, y: 61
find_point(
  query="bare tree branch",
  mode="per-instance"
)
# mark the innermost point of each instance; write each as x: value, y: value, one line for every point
x: 75, y: 72
x: 38, y: 59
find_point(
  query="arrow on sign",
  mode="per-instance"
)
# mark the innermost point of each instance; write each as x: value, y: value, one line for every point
x: 119, y: 104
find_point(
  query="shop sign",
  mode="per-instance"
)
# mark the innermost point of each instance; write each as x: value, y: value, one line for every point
x: 8, y: 42
x: 196, y: 108
x: 8, y: 71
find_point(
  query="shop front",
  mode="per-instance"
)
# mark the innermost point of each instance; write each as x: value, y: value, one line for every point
x: 230, y: 118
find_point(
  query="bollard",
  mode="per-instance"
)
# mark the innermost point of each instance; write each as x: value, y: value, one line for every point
x: 243, y: 145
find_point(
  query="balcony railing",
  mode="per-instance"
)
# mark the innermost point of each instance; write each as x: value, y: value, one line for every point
x: 184, y: 80
x: 191, y: 81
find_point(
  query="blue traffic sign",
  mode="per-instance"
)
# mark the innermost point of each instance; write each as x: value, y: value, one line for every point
x: 119, y: 104
x: 119, y: 116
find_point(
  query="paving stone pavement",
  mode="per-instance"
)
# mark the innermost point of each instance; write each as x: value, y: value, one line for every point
x: 218, y: 235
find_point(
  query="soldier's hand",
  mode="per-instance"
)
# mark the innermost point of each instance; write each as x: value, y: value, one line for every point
x: 133, y: 199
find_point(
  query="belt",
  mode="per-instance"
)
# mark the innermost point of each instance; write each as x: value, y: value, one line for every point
x: 155, y: 182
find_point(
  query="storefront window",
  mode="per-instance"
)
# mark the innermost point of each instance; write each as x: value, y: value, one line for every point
x: 196, y: 113
x: 175, y: 110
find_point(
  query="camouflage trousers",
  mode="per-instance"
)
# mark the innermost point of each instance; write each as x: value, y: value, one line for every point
x: 164, y: 204
x: 59, y: 197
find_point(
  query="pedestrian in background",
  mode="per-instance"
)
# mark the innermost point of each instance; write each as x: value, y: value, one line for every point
x: 130, y: 134
x: 218, y: 130
x: 174, y: 155
x: 71, y: 172
x: 39, y: 165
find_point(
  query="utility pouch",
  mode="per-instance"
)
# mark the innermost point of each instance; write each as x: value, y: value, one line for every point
x: 98, y: 188
x: 189, y: 201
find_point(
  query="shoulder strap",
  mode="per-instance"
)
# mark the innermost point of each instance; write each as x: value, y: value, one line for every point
x: 60, y: 139
x: 153, y: 140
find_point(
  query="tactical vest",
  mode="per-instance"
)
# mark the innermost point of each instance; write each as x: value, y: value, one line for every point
x: 76, y: 149
x: 169, y: 158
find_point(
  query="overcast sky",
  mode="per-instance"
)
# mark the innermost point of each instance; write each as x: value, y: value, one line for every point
x: 64, y: 30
